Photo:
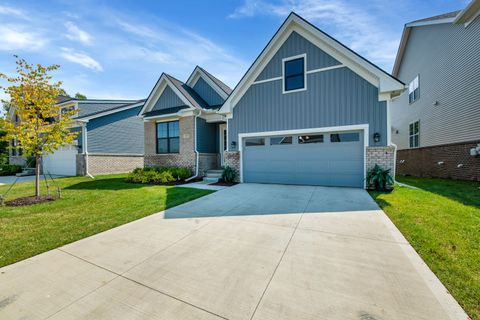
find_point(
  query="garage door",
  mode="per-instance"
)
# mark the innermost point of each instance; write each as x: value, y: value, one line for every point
x: 325, y: 159
x: 62, y: 162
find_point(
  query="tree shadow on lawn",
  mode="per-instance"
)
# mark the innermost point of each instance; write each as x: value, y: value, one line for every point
x: 464, y: 192
x: 105, y: 184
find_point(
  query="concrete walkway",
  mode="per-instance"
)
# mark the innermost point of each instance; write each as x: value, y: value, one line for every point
x: 246, y: 252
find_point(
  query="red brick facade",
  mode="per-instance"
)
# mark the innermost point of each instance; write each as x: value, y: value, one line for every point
x: 446, y: 161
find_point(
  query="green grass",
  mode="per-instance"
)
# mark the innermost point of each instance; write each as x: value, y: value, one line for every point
x: 87, y: 207
x: 442, y: 222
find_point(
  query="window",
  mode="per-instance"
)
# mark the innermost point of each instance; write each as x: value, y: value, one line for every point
x: 254, y: 142
x: 280, y: 140
x: 13, y: 150
x: 413, y: 90
x: 345, y: 137
x: 168, y: 137
x: 414, y: 134
x: 310, y: 139
x: 294, y: 74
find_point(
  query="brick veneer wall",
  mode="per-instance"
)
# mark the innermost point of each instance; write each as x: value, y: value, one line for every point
x: 446, y: 161
x: 206, y: 162
x: 186, y: 156
x: 383, y: 156
x: 106, y: 164
x: 232, y: 159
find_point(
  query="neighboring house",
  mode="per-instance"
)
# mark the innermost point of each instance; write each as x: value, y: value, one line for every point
x: 308, y: 111
x: 110, y: 139
x: 436, y: 122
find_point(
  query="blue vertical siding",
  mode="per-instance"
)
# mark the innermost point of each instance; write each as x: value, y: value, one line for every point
x: 295, y: 45
x: 120, y: 133
x: 168, y: 99
x: 207, y: 93
x: 337, y: 97
x: 207, y: 136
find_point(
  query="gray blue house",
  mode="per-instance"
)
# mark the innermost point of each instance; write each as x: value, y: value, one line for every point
x: 110, y: 139
x: 436, y: 122
x: 308, y: 111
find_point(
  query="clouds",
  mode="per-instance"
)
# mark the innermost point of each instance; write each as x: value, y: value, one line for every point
x: 81, y: 58
x: 17, y: 37
x: 76, y: 34
x: 351, y: 22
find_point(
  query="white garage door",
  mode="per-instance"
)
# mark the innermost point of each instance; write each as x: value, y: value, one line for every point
x: 62, y: 162
x: 325, y: 159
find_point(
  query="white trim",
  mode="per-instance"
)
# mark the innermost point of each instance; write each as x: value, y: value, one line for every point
x: 468, y: 14
x: 105, y: 113
x: 222, y: 142
x: 364, y: 127
x: 389, y: 123
x: 326, y: 68
x: 299, y: 56
x: 366, y: 70
x: 199, y: 73
x: 267, y: 80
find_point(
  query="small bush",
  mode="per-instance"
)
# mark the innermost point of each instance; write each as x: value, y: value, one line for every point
x: 379, y: 178
x: 9, y: 169
x: 229, y: 174
x: 159, y: 175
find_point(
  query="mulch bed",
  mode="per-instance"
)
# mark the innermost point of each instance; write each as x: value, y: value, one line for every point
x: 26, y: 201
x: 223, y: 183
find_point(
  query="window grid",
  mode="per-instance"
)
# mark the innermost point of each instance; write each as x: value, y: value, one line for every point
x: 294, y: 74
x: 414, y: 134
x: 168, y: 137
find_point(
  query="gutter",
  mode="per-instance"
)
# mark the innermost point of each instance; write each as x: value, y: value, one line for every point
x: 197, y: 113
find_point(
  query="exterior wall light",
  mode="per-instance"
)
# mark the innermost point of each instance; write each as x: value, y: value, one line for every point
x: 233, y: 144
x: 376, y: 137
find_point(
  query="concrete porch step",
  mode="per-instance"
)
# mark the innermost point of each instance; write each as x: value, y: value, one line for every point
x: 26, y: 172
x: 212, y: 176
x: 210, y: 180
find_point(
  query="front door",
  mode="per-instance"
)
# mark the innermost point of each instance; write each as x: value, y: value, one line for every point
x: 223, y: 141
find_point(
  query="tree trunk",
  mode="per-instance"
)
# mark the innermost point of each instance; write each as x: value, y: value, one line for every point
x: 37, y: 176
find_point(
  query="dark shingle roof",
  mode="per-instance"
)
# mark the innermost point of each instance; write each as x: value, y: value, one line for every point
x: 90, y: 107
x: 164, y: 111
x: 438, y: 17
x: 218, y: 82
x: 113, y: 106
x: 62, y: 98
x: 188, y: 93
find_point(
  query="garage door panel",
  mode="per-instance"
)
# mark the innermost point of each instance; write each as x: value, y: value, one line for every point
x: 327, y: 163
x: 62, y: 162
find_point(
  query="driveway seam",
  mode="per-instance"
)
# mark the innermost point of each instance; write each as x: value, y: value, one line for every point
x: 283, y: 254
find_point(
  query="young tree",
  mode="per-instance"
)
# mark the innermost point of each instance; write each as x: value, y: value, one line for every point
x: 80, y: 96
x: 41, y: 127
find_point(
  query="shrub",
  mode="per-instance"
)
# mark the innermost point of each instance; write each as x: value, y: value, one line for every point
x: 379, y: 178
x: 159, y: 175
x: 9, y: 169
x: 229, y: 174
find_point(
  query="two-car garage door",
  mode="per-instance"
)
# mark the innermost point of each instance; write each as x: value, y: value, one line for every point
x: 62, y: 162
x: 326, y: 159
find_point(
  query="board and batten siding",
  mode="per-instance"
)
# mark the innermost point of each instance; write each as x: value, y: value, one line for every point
x: 207, y: 93
x: 118, y: 133
x: 337, y: 97
x: 446, y: 58
x: 168, y: 99
x: 293, y: 46
x: 207, y: 136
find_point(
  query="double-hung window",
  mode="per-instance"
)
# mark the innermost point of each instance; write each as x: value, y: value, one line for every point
x: 168, y: 136
x: 414, y: 134
x: 414, y: 90
x: 294, y: 74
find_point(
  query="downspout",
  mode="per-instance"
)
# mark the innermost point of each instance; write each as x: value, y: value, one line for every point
x: 197, y: 160
x: 85, y: 148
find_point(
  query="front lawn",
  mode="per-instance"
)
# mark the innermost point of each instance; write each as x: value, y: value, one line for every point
x: 87, y: 207
x: 441, y: 220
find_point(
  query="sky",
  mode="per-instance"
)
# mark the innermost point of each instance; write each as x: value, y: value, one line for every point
x: 118, y: 49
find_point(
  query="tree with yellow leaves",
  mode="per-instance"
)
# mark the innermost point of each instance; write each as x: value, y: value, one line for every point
x: 35, y: 120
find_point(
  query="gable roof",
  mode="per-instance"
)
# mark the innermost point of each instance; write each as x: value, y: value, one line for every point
x: 217, y: 85
x: 188, y: 93
x: 363, y: 67
x: 465, y: 16
x: 90, y: 107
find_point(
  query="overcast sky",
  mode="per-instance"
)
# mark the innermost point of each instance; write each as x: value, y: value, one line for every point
x: 118, y: 49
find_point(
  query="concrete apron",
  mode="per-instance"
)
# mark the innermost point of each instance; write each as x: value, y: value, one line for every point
x: 245, y: 252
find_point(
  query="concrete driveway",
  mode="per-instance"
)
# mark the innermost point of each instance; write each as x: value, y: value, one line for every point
x: 247, y: 252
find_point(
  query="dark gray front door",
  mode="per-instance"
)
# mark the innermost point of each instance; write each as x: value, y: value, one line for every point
x: 325, y: 159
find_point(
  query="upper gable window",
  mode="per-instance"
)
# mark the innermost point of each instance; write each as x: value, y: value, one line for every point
x: 413, y: 90
x: 294, y: 74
